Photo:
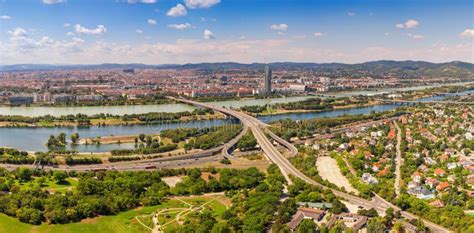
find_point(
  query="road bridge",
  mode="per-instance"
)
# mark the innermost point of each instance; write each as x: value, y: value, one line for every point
x: 287, y: 169
x: 423, y: 102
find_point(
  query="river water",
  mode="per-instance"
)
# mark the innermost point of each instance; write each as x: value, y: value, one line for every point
x: 138, y: 109
x: 33, y: 139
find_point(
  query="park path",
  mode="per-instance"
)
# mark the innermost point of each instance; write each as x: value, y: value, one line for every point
x: 398, y: 160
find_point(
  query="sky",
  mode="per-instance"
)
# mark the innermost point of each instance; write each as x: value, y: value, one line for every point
x: 193, y: 31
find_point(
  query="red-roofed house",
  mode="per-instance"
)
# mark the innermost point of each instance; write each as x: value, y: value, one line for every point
x: 442, y: 186
x: 439, y: 172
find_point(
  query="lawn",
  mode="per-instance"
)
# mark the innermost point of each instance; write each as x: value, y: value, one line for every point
x: 51, y: 185
x: 125, y: 222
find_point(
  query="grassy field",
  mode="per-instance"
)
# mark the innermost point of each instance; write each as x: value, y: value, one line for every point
x: 126, y: 222
x: 51, y: 185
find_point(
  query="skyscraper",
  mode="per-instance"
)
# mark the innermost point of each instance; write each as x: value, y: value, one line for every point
x: 268, y: 80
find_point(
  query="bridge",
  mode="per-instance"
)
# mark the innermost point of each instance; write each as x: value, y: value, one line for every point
x: 287, y: 169
x: 422, y: 102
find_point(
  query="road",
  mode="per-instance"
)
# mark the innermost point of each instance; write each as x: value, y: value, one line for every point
x: 423, y: 102
x: 287, y: 169
x: 398, y: 160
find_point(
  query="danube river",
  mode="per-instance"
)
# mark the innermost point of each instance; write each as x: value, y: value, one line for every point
x: 138, y: 109
x: 33, y: 139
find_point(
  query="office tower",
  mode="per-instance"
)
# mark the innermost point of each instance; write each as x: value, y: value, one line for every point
x: 268, y: 80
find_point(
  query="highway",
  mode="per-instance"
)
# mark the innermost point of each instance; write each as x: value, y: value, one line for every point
x: 272, y: 154
x: 423, y: 102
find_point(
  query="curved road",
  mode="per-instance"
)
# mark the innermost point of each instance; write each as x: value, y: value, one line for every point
x: 288, y: 169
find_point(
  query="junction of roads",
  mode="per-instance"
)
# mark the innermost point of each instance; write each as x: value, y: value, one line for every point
x: 272, y: 154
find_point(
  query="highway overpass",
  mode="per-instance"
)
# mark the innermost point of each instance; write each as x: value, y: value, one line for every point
x: 287, y: 169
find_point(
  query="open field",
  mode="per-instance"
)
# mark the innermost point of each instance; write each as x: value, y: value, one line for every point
x: 134, y: 221
x: 51, y: 185
x: 328, y: 170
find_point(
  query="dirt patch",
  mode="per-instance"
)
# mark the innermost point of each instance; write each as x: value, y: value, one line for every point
x: 172, y: 180
x: 225, y: 201
x: 90, y: 220
x: 328, y: 170
x: 206, y: 175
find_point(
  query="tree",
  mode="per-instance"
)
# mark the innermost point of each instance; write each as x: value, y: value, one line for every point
x: 62, y: 138
x: 141, y: 137
x: 24, y: 174
x: 74, y: 137
x: 59, y: 176
x: 306, y: 226
x: 29, y: 215
x: 376, y: 225
x: 220, y: 227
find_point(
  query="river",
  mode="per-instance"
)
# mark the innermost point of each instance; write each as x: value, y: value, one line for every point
x: 33, y: 139
x: 138, y: 109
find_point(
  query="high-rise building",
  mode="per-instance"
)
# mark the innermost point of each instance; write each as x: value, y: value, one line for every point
x: 268, y: 80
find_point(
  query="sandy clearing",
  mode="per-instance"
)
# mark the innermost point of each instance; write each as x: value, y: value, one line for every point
x: 328, y: 170
x: 172, y: 180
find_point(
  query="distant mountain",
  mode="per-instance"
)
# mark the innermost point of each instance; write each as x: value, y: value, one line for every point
x: 373, y: 68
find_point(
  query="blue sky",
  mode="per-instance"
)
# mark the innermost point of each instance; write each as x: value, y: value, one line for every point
x: 170, y: 31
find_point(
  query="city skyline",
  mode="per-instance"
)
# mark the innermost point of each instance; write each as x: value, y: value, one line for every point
x: 193, y: 31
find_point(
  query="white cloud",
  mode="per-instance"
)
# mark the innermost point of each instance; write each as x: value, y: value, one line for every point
x: 193, y: 4
x: 467, y: 33
x: 416, y: 37
x: 387, y: 34
x: 139, y: 31
x: 47, y: 50
x: 5, y: 17
x: 351, y: 13
x: 53, y: 1
x: 182, y: 26
x: 279, y: 27
x: 142, y: 1
x: 101, y: 29
x: 18, y: 32
x: 151, y: 21
x: 70, y: 33
x: 178, y: 10
x: 411, y: 23
x: 66, y: 25
x: 318, y: 34
x: 208, y: 34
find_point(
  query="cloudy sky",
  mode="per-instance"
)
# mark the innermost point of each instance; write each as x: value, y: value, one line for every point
x: 190, y: 31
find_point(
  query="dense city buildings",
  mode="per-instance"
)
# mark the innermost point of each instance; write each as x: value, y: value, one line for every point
x: 97, y: 84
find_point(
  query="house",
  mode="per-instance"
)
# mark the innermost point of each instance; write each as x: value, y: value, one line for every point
x: 343, y: 147
x: 383, y: 172
x: 437, y: 203
x: 316, y: 205
x: 431, y: 182
x: 416, y: 177
x: 353, y: 221
x: 376, y: 167
x: 430, y: 161
x: 451, y: 166
x: 469, y: 136
x: 376, y: 134
x: 305, y: 213
x: 439, y: 172
x: 421, y: 192
x: 442, y: 186
x: 452, y: 178
x: 369, y: 179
